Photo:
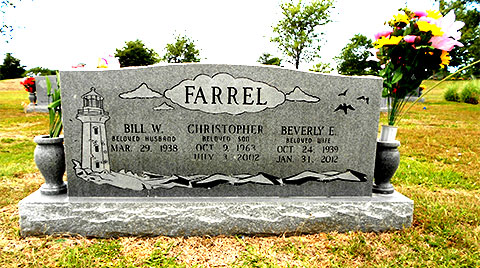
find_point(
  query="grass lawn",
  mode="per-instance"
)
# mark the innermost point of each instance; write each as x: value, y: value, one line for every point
x: 439, y: 170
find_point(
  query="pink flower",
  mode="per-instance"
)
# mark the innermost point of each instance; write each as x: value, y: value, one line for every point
x: 382, y: 33
x: 410, y: 38
x: 444, y: 43
x: 420, y: 14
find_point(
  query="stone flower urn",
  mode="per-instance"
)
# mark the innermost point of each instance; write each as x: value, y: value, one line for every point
x: 387, y: 160
x: 49, y: 156
x: 32, y: 97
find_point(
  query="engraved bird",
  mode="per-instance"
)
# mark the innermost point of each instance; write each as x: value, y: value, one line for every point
x: 365, y: 99
x: 343, y: 93
x: 344, y: 107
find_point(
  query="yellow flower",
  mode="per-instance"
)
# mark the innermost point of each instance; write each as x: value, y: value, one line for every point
x: 400, y: 18
x: 434, y: 14
x: 445, y: 59
x: 392, y: 40
x: 425, y: 27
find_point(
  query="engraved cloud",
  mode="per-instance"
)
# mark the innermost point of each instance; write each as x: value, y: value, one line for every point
x: 141, y: 92
x: 223, y: 93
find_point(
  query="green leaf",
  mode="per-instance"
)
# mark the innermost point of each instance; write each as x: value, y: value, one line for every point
x: 397, y: 76
x: 385, y: 93
x: 54, y: 104
x: 58, y: 126
x: 55, y: 109
x: 49, y: 85
x: 51, y: 117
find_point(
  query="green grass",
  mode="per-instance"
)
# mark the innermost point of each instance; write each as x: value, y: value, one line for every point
x: 252, y: 257
x: 421, y: 172
x: 439, y: 170
x: 16, y: 156
x: 160, y: 257
x: 13, y: 120
x: 104, y: 252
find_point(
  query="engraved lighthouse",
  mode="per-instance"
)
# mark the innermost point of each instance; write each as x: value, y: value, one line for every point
x: 94, y: 137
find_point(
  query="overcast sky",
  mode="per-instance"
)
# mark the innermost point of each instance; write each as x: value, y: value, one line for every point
x: 60, y: 33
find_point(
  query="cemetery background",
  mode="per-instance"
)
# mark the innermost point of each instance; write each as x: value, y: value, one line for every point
x: 439, y: 156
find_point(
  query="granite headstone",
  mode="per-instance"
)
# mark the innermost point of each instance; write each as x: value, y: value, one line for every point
x: 219, y: 130
x: 41, y: 87
x: 195, y: 149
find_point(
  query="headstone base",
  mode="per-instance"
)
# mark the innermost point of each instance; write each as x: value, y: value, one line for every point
x: 107, y: 217
x: 36, y: 108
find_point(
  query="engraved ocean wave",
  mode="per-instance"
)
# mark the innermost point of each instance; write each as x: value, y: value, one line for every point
x: 129, y: 180
x: 120, y: 179
x: 306, y: 176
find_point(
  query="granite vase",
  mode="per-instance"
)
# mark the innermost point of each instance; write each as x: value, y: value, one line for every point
x: 32, y: 97
x: 49, y: 156
x: 387, y: 159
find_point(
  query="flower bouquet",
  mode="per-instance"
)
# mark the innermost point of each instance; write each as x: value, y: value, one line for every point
x: 414, y: 48
x: 29, y: 84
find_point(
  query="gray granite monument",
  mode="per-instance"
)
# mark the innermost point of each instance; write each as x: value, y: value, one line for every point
x: 195, y: 149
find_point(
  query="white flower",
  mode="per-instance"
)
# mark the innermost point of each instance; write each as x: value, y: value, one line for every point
x: 449, y: 26
x: 373, y: 55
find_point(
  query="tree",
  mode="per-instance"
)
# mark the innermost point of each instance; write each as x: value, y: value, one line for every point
x: 353, y: 60
x: 268, y: 59
x: 134, y: 53
x: 296, y: 33
x: 322, y: 68
x: 182, y: 50
x: 11, y: 68
x: 41, y: 71
x: 468, y: 12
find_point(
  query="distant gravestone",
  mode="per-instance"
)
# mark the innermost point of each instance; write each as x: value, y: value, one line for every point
x: 43, y: 100
x: 414, y: 97
x: 41, y: 86
x: 384, y: 105
x: 220, y: 132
